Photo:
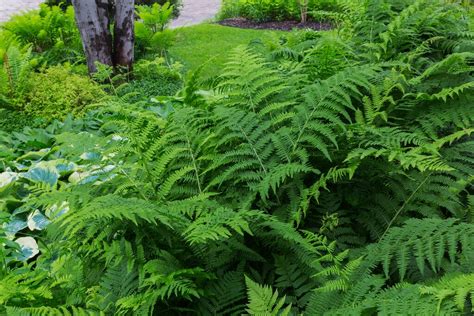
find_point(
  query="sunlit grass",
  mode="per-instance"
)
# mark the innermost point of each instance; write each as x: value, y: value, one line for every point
x: 210, y: 44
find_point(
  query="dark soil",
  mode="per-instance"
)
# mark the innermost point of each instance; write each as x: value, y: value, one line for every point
x: 276, y: 25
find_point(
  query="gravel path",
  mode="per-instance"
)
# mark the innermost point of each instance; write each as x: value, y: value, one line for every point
x: 192, y: 12
x: 11, y: 7
x: 195, y: 12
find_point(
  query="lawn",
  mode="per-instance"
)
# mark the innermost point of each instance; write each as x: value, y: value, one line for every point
x: 210, y: 44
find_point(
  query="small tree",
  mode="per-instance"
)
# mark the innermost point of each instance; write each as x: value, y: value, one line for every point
x: 93, y: 18
x: 303, y: 4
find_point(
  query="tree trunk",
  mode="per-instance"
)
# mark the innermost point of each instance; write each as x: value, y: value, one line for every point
x: 92, y: 21
x: 104, y: 8
x: 124, y: 33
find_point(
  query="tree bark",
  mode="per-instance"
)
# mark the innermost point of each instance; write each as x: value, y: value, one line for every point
x: 92, y: 21
x: 124, y: 33
x: 104, y: 8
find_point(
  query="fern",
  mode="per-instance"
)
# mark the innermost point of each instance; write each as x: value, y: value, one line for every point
x: 227, y: 296
x: 93, y: 215
x: 318, y: 175
x: 421, y: 244
x: 43, y: 311
x: 218, y: 225
x: 248, y: 83
x: 459, y: 287
x: 263, y: 301
x: 14, y: 77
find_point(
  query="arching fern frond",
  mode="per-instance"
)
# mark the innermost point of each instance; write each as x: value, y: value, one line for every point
x: 422, y: 244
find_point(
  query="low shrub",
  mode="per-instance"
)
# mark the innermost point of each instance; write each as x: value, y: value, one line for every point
x: 175, y: 3
x: 58, y: 92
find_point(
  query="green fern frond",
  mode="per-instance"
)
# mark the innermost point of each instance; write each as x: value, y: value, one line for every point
x: 458, y: 287
x: 421, y: 244
x: 228, y: 295
x: 248, y: 82
x: 112, y: 207
x: 218, y: 224
x: 264, y: 301
x: 52, y: 311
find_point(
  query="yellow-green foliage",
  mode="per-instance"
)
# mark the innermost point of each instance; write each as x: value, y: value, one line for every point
x: 58, y: 92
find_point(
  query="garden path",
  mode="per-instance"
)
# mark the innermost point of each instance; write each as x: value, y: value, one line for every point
x: 195, y: 12
x: 11, y: 7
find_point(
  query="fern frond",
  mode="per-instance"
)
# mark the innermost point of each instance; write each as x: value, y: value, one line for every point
x: 421, y: 244
x: 263, y: 301
x: 459, y: 287
x: 51, y: 311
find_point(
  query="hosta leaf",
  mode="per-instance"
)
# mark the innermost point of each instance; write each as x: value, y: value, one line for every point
x: 6, y: 178
x: 29, y: 248
x: 37, y: 221
x: 43, y: 175
x: 14, y: 226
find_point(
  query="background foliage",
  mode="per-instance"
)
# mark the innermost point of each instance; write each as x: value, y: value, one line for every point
x: 276, y: 10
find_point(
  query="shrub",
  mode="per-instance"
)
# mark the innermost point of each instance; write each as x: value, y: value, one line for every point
x: 58, y: 92
x: 150, y: 29
x: 175, y: 3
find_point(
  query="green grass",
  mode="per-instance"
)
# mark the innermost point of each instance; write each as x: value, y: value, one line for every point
x: 211, y: 44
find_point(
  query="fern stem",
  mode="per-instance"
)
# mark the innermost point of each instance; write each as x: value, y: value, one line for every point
x: 130, y: 179
x: 412, y: 195
x: 194, y: 163
x: 302, y: 129
x: 253, y: 149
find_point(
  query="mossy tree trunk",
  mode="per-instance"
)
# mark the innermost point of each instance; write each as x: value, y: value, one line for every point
x: 93, y: 21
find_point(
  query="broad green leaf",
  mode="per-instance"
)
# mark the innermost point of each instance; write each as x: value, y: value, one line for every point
x: 42, y: 175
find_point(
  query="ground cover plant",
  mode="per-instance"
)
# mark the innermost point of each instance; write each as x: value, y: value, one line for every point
x: 313, y: 174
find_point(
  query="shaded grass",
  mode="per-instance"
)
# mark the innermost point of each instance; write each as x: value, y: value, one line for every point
x: 210, y: 44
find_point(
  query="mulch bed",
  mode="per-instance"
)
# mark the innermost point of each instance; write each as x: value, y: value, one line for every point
x: 276, y: 25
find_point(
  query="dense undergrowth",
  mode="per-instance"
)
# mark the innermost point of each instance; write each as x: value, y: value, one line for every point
x: 316, y: 175
x: 288, y: 10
